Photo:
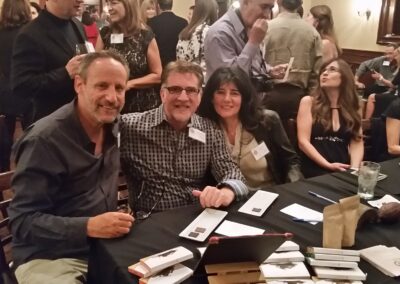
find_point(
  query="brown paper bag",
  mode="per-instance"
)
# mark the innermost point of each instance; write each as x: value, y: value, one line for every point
x: 349, y: 207
x: 332, y: 227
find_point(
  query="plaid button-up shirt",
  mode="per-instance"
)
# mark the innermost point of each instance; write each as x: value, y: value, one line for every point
x: 163, y: 166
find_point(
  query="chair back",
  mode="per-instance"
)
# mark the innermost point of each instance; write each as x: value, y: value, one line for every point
x: 7, y: 275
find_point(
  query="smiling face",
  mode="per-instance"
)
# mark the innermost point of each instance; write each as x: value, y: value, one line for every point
x: 180, y: 106
x: 331, y: 77
x: 151, y: 11
x: 116, y: 11
x: 102, y: 95
x: 227, y: 101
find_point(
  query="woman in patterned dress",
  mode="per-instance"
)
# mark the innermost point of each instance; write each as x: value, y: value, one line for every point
x: 128, y: 36
x: 190, y: 46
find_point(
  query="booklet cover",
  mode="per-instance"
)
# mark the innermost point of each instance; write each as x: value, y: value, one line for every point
x: 331, y: 263
x: 386, y: 259
x: 322, y: 256
x: 288, y: 246
x: 258, y: 203
x: 286, y: 256
x: 288, y: 270
x: 171, y: 275
x: 340, y: 273
x: 333, y: 251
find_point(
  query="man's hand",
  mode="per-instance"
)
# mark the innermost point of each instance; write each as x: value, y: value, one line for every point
x: 377, y: 76
x: 258, y: 31
x: 73, y: 65
x: 109, y: 225
x: 278, y: 71
x: 359, y: 85
x: 214, y: 197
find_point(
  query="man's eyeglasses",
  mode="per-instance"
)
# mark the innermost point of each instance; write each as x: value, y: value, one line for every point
x: 177, y: 90
x: 330, y: 69
x: 141, y: 214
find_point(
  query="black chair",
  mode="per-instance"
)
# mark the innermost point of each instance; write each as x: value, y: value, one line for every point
x: 7, y: 274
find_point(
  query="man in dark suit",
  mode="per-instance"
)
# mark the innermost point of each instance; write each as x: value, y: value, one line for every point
x: 166, y: 28
x: 44, y: 62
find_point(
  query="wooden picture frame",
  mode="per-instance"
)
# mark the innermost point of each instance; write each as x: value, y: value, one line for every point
x: 389, y: 30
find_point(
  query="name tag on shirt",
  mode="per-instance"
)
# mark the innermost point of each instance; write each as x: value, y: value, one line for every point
x: 386, y: 63
x: 260, y: 151
x: 119, y: 139
x: 117, y: 38
x: 89, y: 47
x: 197, y: 135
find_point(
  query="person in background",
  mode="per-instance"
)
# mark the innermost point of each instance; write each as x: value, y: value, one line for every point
x: 90, y: 27
x: 44, y: 62
x: 230, y: 100
x: 128, y: 36
x: 168, y: 154
x: 14, y: 14
x: 66, y: 178
x: 393, y: 127
x: 35, y: 9
x: 166, y: 27
x: 190, y: 46
x: 320, y: 17
x: 148, y: 10
x: 190, y: 13
x: 329, y: 123
x: 383, y: 69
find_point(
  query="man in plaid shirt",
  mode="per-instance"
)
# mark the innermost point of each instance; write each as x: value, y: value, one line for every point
x: 168, y: 154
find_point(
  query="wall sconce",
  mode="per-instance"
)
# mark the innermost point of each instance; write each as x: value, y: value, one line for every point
x: 366, y: 13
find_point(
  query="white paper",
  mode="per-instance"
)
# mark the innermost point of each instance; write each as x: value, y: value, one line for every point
x: 284, y: 79
x: 385, y: 259
x: 260, y: 151
x: 171, y: 275
x: 258, y: 203
x: 233, y: 229
x: 386, y: 199
x: 298, y: 211
x: 288, y: 246
x: 197, y: 135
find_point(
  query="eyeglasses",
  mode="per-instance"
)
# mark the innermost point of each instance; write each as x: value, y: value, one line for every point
x: 141, y: 214
x: 177, y: 90
x: 330, y: 69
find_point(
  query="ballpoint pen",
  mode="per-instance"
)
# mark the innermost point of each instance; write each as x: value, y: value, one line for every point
x: 300, y: 220
x: 322, y: 197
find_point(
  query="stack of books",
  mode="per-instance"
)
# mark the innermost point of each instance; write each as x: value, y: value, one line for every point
x: 336, y: 264
x: 285, y: 264
x: 164, y: 267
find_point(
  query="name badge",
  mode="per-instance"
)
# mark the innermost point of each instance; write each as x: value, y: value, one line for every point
x: 197, y: 135
x: 119, y: 139
x: 260, y: 151
x: 386, y: 63
x: 89, y: 47
x: 117, y: 38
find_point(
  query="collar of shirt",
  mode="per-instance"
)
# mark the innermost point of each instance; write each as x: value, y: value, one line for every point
x: 288, y: 15
x: 236, y: 22
x: 160, y: 117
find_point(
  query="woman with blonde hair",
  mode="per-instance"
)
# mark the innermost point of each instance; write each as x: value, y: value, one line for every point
x: 329, y: 123
x: 190, y: 46
x: 148, y: 10
x: 128, y: 36
x: 320, y: 17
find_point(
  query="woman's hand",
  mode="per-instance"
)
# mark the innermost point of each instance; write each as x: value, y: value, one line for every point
x: 338, y: 167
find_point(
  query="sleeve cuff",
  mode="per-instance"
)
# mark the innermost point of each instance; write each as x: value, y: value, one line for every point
x: 237, y: 186
x: 77, y: 230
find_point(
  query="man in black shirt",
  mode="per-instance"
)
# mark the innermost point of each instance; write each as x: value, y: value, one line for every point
x: 167, y: 27
x: 44, y: 62
x: 66, y: 178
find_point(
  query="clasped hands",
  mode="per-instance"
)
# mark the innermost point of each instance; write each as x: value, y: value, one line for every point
x: 109, y: 225
x: 211, y: 196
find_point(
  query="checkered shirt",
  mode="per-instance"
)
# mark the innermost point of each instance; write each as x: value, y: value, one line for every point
x: 163, y: 166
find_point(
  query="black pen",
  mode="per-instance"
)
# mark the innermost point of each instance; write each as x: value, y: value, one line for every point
x: 305, y: 220
x: 322, y: 197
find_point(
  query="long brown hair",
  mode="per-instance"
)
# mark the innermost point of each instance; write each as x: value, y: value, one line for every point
x: 132, y: 22
x: 325, y: 25
x: 15, y: 13
x: 348, y: 101
x: 205, y: 11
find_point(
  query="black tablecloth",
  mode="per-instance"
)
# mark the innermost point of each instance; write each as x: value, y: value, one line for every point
x: 109, y: 259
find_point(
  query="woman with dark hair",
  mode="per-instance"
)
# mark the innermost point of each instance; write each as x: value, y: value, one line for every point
x: 320, y: 17
x: 255, y: 137
x: 329, y: 123
x: 190, y: 46
x: 35, y: 9
x: 128, y: 36
x: 90, y: 27
x: 14, y: 14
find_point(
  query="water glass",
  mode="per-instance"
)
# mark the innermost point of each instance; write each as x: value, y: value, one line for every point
x: 367, y: 178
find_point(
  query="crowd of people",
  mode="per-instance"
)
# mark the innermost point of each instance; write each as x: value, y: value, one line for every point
x: 190, y: 110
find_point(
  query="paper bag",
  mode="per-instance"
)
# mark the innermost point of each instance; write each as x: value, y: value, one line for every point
x: 332, y: 227
x: 349, y: 207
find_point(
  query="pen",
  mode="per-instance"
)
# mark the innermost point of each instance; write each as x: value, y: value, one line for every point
x: 322, y: 197
x: 305, y: 220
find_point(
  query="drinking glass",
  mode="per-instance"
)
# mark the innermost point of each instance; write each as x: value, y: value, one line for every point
x: 367, y: 178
